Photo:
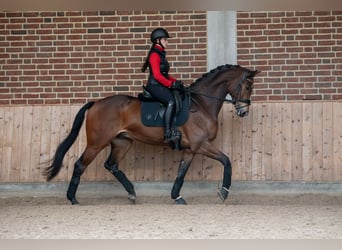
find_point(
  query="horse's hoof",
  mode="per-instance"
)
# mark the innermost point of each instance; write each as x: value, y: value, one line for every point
x: 180, y: 201
x: 132, y: 198
x: 223, y: 193
x: 74, y: 201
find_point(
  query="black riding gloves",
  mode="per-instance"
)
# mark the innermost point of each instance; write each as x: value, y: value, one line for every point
x: 177, y: 85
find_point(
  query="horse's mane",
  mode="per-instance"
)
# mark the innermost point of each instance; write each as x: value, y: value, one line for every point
x: 213, y: 72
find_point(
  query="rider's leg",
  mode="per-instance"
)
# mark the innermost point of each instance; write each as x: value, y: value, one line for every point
x: 169, y: 112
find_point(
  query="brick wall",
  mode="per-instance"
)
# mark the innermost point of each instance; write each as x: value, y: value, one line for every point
x: 300, y: 53
x: 73, y: 57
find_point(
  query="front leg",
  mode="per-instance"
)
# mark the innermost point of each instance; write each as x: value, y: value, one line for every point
x: 209, y: 150
x: 223, y: 193
x: 227, y: 177
x: 184, y: 164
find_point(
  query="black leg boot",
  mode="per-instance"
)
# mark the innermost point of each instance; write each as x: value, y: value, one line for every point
x: 168, y: 117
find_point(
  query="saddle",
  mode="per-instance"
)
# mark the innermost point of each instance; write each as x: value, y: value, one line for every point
x: 152, y: 111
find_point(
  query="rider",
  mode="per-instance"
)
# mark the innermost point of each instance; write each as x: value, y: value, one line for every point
x: 160, y: 83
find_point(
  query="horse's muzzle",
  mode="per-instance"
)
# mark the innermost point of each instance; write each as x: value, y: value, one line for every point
x: 242, y: 111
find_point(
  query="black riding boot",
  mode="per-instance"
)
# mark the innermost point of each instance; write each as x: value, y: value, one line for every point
x: 168, y: 121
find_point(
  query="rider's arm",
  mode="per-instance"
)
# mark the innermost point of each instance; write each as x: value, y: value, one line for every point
x: 155, y: 67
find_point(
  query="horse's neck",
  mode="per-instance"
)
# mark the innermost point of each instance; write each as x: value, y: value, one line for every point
x: 217, y: 87
x: 210, y: 105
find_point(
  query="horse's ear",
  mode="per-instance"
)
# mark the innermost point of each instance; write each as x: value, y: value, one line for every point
x: 254, y: 73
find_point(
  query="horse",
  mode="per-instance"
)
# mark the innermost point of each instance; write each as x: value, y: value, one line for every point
x: 116, y: 121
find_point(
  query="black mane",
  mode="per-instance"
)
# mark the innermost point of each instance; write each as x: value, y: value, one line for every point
x: 214, y: 71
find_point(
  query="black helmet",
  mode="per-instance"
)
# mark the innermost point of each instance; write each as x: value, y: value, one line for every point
x: 159, y: 33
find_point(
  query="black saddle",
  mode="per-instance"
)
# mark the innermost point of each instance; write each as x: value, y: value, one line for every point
x: 152, y: 111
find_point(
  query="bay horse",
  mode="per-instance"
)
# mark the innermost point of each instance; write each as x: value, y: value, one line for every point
x: 116, y: 121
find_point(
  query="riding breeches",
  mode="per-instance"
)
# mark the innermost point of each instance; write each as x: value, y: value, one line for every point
x: 161, y: 93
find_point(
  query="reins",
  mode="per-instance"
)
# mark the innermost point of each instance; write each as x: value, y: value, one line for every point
x: 209, y: 96
x: 232, y: 101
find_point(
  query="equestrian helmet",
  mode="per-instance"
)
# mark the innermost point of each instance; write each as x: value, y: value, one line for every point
x: 159, y: 33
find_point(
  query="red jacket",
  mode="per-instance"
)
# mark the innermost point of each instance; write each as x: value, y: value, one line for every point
x: 154, y: 62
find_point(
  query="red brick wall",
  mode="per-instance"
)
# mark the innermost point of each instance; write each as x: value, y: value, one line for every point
x: 72, y: 57
x: 300, y: 53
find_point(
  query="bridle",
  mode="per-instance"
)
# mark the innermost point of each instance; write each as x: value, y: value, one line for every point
x: 232, y: 101
x: 247, y: 101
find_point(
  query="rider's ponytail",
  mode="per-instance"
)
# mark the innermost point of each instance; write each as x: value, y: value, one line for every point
x: 144, y: 67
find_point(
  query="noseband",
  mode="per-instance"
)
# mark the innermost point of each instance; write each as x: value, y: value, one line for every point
x: 239, y: 87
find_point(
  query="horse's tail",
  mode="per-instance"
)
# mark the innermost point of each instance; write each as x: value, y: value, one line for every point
x: 51, y: 171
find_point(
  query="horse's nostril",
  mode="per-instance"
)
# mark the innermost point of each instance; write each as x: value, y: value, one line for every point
x: 242, y: 113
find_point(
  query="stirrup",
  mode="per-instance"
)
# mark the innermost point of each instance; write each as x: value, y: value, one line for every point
x: 168, y: 136
x: 176, y: 134
x: 171, y: 135
x: 176, y: 140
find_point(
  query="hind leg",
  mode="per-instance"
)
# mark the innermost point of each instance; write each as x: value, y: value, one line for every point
x: 79, y: 168
x: 119, y: 148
